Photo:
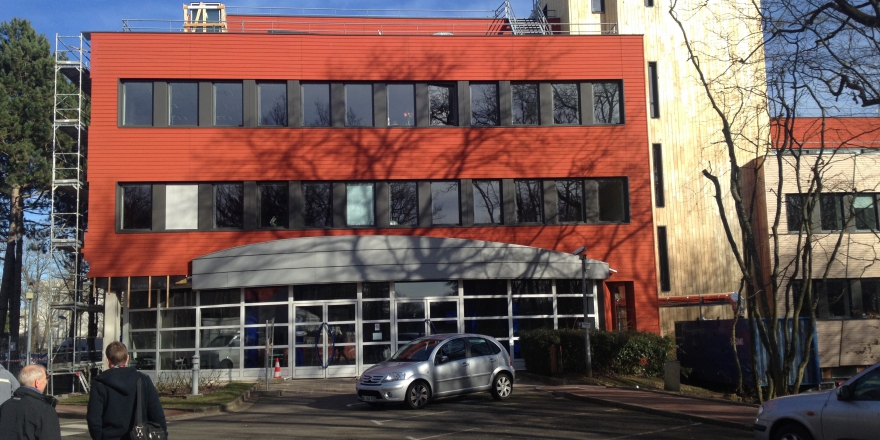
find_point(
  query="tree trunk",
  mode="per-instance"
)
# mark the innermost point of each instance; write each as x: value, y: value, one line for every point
x: 10, y: 285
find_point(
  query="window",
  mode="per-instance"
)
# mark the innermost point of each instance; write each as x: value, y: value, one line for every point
x: 360, y: 209
x: 442, y: 104
x: 570, y: 200
x: 649, y: 3
x: 606, y: 103
x: 227, y: 104
x: 452, y: 351
x: 404, y: 204
x: 612, y: 201
x: 181, y: 207
x: 487, y: 202
x: 663, y: 257
x: 229, y: 205
x: 401, y: 105
x: 529, y: 201
x: 137, y: 103
x: 865, y: 209
x: 444, y: 203
x: 318, y: 205
x: 870, y: 298
x: 484, y: 104
x: 358, y: 105
x: 525, y: 106
x: 854, y: 298
x: 137, y: 207
x: 566, y: 104
x: 598, y: 6
x: 831, y: 211
x: 273, y: 104
x: 659, y: 194
x: 183, y: 103
x: 316, y: 105
x: 653, y: 92
x: 794, y: 211
x: 836, y: 293
x: 273, y: 205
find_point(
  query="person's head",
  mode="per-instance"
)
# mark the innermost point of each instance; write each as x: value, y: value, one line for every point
x: 33, y: 376
x: 117, y: 354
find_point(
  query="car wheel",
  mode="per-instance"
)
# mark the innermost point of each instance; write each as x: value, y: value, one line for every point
x: 417, y: 395
x: 792, y: 431
x: 502, y: 386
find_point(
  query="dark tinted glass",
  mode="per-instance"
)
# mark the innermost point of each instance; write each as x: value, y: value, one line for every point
x: 606, y: 103
x: 261, y: 314
x: 566, y: 103
x: 137, y: 103
x: 529, y: 201
x: 220, y: 316
x: 837, y: 291
x: 612, y: 201
x: 375, y: 310
x: 137, y: 207
x: 482, y: 347
x: 497, y: 328
x: 183, y: 101
x: 442, y: 104
x: 316, y: 105
x: 484, y: 287
x: 487, y: 202
x: 871, y: 297
x: 532, y: 306
x: 401, y: 105
x: 485, y: 307
x: 273, y: 205
x: 265, y: 294
x: 445, y: 203
x: 831, y: 209
x: 484, y: 104
x: 570, y: 306
x: 228, y: 205
x: 570, y: 200
x: 525, y: 104
x: 358, y: 105
x: 318, y: 209
x: 794, y: 205
x: 376, y: 290
x: 219, y: 296
x: 567, y: 287
x: 404, y: 204
x: 273, y: 104
x: 318, y: 292
x: 227, y: 104
x: 531, y: 287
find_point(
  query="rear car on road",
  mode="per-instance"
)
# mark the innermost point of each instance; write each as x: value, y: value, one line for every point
x: 439, y: 366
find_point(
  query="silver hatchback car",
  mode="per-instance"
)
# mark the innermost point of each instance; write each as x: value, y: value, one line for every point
x: 439, y: 366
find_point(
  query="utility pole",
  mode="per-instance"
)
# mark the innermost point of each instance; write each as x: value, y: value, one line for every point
x: 582, y: 253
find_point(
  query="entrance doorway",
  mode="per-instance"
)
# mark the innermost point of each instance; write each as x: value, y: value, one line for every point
x: 325, y: 340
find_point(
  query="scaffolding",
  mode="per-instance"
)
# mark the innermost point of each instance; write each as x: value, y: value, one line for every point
x: 76, y: 312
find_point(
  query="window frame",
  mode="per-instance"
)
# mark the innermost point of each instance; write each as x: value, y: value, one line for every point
x: 123, y: 204
x: 409, y: 117
x: 125, y: 114
x: 486, y: 105
x: 171, y: 103
x: 328, y: 110
x: 216, y: 102
x: 577, y: 111
x: 285, y: 218
x: 537, y: 200
x: 653, y: 90
x: 369, y: 205
x: 239, y: 221
x: 838, y: 217
x: 260, y: 116
x: 412, y: 190
x: 349, y: 111
x: 452, y: 117
x: 860, y: 222
x: 513, y: 104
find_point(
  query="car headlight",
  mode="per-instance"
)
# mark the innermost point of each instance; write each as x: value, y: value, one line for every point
x: 391, y: 377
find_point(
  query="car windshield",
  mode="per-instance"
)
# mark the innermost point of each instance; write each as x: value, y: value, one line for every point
x: 416, y: 351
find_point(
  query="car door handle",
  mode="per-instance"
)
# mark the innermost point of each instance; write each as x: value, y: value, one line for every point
x: 464, y: 364
x: 492, y: 360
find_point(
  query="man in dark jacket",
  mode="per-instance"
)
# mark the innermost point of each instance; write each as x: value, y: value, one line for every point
x: 30, y: 415
x: 112, y: 398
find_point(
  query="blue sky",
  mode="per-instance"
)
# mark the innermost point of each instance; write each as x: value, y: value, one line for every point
x: 70, y: 17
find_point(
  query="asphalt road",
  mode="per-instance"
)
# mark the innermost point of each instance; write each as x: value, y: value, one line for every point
x: 320, y: 413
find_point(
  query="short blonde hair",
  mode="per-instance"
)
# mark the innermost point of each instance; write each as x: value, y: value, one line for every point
x: 28, y: 375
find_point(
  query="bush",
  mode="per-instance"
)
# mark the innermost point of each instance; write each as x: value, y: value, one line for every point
x: 616, y: 353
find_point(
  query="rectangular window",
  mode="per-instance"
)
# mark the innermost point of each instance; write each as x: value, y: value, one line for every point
x: 228, y: 104
x: 525, y: 106
x: 529, y: 201
x: 137, y: 103
x: 606, y: 103
x: 613, y: 201
x: 865, y: 209
x: 598, y: 6
x: 649, y: 3
x: 566, y: 104
x: 570, y: 200
x: 663, y: 257
x: 831, y: 211
x: 484, y: 104
x: 137, y: 206
x: 273, y: 205
x: 401, y: 105
x: 358, y: 105
x: 317, y: 205
x: 794, y: 211
x: 183, y: 103
x: 404, y: 204
x: 870, y: 297
x: 273, y: 104
x: 836, y: 292
x: 316, y: 105
x: 445, y: 203
x: 442, y: 104
x: 653, y: 91
x: 659, y: 194
x: 229, y: 205
x: 487, y: 202
x: 181, y: 207
x: 359, y: 204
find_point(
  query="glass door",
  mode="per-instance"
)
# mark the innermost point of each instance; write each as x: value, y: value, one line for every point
x: 325, y: 342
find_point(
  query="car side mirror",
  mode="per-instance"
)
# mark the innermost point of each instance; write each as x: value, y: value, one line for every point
x: 844, y: 393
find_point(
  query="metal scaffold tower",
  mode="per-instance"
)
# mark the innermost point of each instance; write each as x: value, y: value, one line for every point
x: 76, y: 312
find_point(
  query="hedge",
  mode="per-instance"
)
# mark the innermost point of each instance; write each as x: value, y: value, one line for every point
x: 614, y: 353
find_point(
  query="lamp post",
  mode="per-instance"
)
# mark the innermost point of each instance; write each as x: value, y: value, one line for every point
x: 30, y: 325
x: 582, y: 253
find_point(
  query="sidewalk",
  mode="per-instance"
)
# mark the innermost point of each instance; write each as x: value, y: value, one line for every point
x: 79, y: 412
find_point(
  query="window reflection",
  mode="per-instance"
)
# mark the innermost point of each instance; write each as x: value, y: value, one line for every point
x: 228, y: 205
x: 318, y: 209
x: 525, y: 104
x: 484, y: 104
x: 273, y: 104
x: 137, y: 206
x: 612, y: 201
x: 606, y: 103
x: 404, y: 204
x: 227, y: 104
x: 570, y: 200
x: 566, y: 103
x: 487, y: 202
x: 401, y: 105
x: 183, y: 100
x: 529, y: 201
x: 316, y: 105
x: 442, y: 104
x: 137, y: 103
x: 358, y: 105
x: 445, y: 203
x: 273, y: 205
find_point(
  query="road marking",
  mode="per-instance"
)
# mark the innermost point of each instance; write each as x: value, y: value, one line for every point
x: 654, y: 432
x: 380, y: 422
x: 442, y: 435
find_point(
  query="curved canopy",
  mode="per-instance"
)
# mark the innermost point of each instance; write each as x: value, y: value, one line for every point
x: 348, y: 259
